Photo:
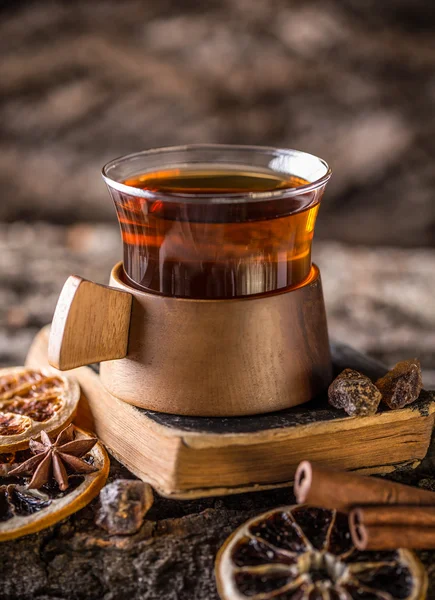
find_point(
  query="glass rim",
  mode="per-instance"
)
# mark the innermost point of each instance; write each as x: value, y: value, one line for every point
x: 218, y: 198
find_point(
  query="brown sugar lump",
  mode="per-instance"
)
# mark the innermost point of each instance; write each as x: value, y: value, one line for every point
x: 124, y: 504
x: 402, y: 385
x: 354, y: 393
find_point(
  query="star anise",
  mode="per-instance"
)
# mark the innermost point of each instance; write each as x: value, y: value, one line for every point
x: 52, y: 458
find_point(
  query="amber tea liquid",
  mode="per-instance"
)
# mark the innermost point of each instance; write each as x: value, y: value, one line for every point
x: 209, y: 243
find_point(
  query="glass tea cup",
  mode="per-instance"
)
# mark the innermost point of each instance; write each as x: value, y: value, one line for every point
x: 217, y: 221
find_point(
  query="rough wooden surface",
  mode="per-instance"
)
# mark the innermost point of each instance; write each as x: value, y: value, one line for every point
x: 348, y: 80
x: 170, y: 558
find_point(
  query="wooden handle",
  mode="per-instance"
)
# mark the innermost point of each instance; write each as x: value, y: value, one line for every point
x: 90, y: 324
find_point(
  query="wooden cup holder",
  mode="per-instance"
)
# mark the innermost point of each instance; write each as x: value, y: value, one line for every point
x: 241, y: 356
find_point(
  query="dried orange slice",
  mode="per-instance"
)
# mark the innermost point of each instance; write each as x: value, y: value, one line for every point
x: 305, y: 553
x: 33, y: 400
x: 24, y: 511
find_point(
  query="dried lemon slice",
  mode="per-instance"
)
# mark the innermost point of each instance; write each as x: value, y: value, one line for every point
x: 33, y: 400
x: 24, y: 511
x: 305, y: 553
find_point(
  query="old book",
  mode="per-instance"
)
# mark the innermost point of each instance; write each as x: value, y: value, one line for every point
x: 186, y: 457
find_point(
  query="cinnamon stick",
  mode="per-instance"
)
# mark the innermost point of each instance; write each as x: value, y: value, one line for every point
x: 343, y: 491
x: 417, y: 516
x: 375, y: 535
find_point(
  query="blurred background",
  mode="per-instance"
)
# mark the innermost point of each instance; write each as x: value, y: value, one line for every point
x: 353, y: 82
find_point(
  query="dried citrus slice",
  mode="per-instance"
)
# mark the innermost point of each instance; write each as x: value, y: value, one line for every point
x: 24, y: 510
x: 305, y: 553
x: 33, y: 400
